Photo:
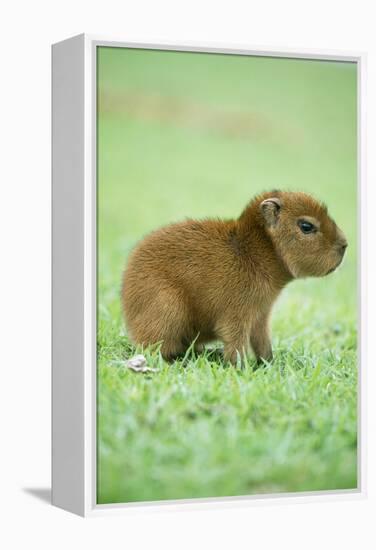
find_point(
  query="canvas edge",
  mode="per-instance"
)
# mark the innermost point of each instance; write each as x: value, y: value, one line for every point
x: 362, y: 289
x: 67, y: 202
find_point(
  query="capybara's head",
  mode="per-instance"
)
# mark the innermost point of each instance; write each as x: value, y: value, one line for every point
x: 304, y: 235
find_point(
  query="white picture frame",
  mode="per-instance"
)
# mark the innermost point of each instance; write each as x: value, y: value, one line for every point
x: 74, y: 276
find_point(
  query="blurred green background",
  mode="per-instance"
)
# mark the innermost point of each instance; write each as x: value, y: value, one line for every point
x: 197, y: 135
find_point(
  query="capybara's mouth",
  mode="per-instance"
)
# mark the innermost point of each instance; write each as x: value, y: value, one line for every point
x: 333, y: 268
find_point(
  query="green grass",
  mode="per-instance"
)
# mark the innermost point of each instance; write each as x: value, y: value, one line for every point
x: 199, y: 428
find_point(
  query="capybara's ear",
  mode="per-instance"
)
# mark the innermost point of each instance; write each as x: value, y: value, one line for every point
x: 270, y: 210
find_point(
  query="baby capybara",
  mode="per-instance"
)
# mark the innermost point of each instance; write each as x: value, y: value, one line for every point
x: 218, y: 279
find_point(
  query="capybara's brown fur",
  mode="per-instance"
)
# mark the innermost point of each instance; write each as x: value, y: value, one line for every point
x: 218, y: 279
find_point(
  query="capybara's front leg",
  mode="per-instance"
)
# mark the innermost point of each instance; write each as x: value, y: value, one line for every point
x: 260, y: 339
x: 235, y: 339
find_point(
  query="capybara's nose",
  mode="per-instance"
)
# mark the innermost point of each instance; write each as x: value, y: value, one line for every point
x: 343, y: 246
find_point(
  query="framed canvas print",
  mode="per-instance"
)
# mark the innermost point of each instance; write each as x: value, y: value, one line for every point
x: 208, y: 292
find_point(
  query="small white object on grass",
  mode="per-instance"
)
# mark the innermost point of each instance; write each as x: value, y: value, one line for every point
x: 138, y: 364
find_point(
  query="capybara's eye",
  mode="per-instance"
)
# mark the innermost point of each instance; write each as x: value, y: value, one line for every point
x: 306, y: 227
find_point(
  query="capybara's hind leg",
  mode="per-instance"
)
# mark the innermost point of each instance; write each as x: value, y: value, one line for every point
x: 166, y: 320
x: 171, y: 350
x: 173, y: 337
